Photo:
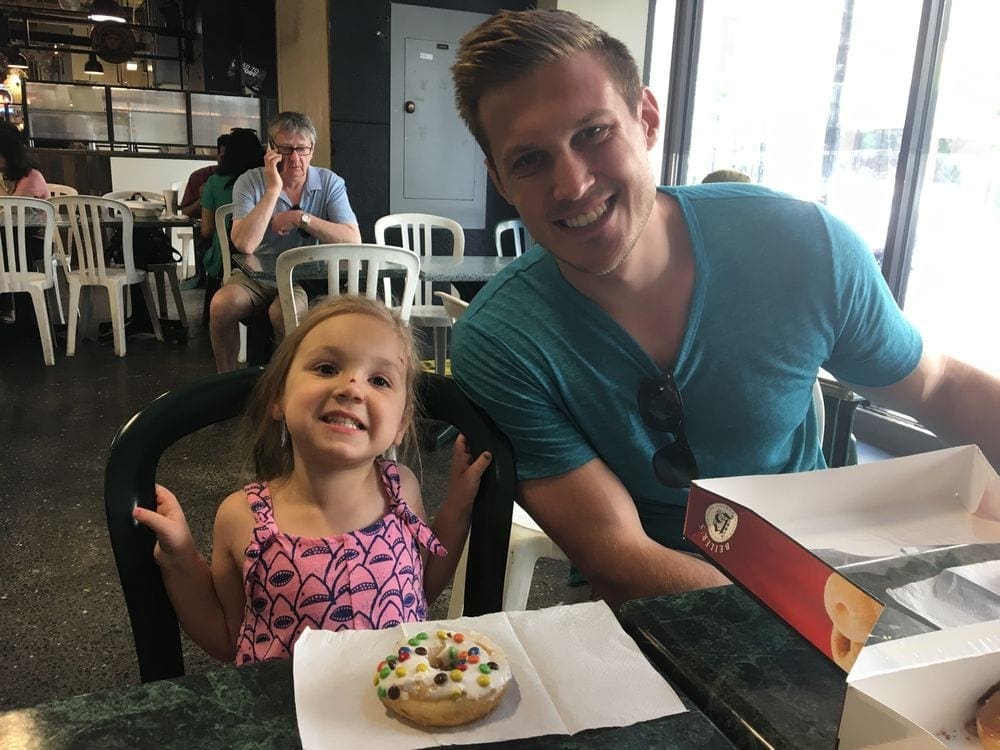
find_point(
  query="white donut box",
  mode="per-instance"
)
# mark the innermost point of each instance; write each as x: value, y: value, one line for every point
x: 781, y: 537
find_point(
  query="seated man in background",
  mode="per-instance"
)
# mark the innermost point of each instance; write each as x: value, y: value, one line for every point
x: 191, y: 200
x: 659, y: 335
x: 285, y: 204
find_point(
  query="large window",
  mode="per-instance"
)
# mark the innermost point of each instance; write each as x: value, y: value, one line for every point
x: 809, y: 98
x: 819, y: 100
x: 954, y: 272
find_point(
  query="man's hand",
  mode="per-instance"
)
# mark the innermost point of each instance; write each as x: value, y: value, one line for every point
x: 272, y: 175
x: 286, y: 221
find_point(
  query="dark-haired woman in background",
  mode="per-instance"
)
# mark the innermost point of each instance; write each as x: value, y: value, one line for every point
x: 20, y: 178
x: 243, y: 151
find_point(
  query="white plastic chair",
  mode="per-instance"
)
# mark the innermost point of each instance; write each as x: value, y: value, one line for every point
x: 369, y: 259
x: 158, y: 270
x: 454, y: 305
x: 55, y: 189
x: 522, y: 239
x: 59, y: 254
x: 84, y: 214
x: 416, y: 234
x: 223, y: 216
x: 18, y: 277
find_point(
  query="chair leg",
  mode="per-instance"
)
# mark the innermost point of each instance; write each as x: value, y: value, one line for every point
x: 161, y: 294
x: 72, y: 316
x: 44, y: 327
x: 242, y: 356
x: 175, y: 287
x: 55, y: 287
x: 154, y: 317
x: 116, y: 306
x: 440, y: 349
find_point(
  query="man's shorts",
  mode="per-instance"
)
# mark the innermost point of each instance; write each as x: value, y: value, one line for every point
x: 262, y: 295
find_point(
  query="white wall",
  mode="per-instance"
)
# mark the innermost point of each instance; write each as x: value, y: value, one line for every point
x: 156, y: 175
x: 623, y: 19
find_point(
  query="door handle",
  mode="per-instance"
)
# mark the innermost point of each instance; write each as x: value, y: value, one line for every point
x: 410, y: 107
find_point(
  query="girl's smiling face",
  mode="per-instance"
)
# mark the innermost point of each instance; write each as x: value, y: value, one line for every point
x: 344, y: 400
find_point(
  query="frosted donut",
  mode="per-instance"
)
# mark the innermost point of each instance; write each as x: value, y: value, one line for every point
x: 852, y: 611
x: 844, y: 650
x: 988, y: 719
x: 443, y: 681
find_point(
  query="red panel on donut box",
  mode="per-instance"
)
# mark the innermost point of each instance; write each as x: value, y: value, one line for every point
x: 820, y: 548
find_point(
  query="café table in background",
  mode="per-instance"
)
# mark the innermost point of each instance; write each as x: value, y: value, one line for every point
x: 254, y: 706
x: 444, y: 269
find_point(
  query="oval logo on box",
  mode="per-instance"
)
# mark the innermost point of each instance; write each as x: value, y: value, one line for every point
x: 720, y: 522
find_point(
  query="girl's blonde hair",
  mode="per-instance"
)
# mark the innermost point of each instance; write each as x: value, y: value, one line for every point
x: 267, y: 455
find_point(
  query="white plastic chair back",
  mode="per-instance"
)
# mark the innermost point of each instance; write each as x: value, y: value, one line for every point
x: 20, y: 218
x: 86, y: 238
x: 417, y: 234
x: 223, y: 222
x: 522, y: 240
x: 454, y: 305
x: 56, y: 189
x: 369, y: 259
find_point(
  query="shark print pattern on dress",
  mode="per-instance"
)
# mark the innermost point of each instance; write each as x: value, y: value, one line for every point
x: 372, y: 578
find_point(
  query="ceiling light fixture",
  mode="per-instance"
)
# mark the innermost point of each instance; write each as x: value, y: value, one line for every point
x: 92, y: 67
x: 131, y: 65
x: 106, y: 10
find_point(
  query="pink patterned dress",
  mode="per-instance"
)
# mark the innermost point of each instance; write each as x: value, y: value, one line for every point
x: 370, y: 578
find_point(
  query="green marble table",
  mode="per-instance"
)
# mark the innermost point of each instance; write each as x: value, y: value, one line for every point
x: 254, y: 707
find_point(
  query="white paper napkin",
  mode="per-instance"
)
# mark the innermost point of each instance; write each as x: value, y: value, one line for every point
x: 955, y: 596
x: 574, y: 668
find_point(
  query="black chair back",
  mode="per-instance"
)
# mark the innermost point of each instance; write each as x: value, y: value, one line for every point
x: 131, y: 471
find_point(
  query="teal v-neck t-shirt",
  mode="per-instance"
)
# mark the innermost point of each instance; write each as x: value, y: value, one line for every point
x: 782, y: 288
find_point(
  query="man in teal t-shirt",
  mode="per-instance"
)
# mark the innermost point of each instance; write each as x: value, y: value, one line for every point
x: 654, y: 336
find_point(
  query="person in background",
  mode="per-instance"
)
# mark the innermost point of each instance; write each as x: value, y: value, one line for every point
x: 286, y: 203
x: 725, y: 175
x: 243, y: 151
x: 20, y: 178
x: 326, y: 506
x: 654, y: 336
x: 191, y: 200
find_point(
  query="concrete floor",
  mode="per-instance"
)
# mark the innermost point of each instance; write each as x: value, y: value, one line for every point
x: 64, y: 627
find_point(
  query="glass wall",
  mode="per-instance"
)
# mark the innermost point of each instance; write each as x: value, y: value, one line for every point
x: 66, y: 114
x: 817, y: 113
x: 894, y: 125
x: 954, y: 270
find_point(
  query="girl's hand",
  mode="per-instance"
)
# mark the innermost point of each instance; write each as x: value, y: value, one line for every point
x: 173, y: 537
x: 466, y: 473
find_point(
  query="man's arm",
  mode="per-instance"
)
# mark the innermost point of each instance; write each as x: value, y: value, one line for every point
x: 593, y: 519
x: 249, y: 230
x: 331, y: 231
x: 958, y: 402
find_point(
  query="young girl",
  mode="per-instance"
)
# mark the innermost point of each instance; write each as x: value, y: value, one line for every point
x: 330, y: 535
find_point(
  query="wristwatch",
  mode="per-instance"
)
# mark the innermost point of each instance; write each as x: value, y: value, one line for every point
x: 304, y: 221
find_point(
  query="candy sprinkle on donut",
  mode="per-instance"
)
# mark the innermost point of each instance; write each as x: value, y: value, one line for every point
x: 450, y: 679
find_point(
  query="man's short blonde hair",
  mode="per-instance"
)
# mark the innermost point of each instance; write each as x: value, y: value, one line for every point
x: 512, y: 44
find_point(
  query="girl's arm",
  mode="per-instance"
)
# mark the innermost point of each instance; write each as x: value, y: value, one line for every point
x: 187, y: 577
x: 451, y: 526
